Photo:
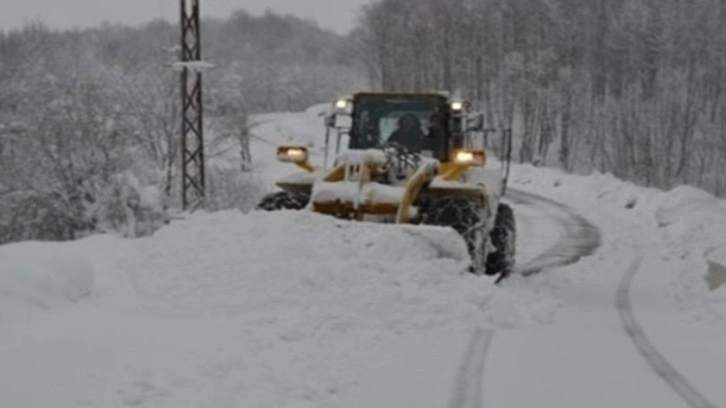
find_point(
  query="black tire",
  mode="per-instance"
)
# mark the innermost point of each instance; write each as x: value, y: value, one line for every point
x: 283, y: 200
x: 503, y: 238
x: 467, y: 217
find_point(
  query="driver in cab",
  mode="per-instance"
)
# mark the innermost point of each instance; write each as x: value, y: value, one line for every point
x: 408, y: 134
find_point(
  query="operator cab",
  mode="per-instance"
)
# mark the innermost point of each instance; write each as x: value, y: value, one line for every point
x: 417, y: 123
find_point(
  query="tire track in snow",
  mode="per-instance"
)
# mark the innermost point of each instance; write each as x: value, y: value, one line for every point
x: 469, y: 380
x: 580, y: 237
x: 650, y: 353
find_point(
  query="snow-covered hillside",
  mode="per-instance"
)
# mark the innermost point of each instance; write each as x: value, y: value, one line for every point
x: 300, y: 310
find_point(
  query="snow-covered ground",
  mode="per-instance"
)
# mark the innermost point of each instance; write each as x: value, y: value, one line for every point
x: 41, y: 276
x: 301, y: 310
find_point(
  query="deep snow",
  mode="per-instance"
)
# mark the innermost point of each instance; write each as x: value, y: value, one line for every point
x: 227, y: 309
x: 301, y: 310
x: 41, y: 276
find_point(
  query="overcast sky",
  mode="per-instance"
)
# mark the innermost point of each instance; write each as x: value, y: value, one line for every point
x: 338, y: 15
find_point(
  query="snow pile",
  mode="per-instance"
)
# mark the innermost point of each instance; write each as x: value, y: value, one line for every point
x: 259, y: 310
x: 41, y: 276
x: 680, y: 210
x: 360, y: 275
x: 322, y: 273
x: 694, y: 224
x: 689, y: 205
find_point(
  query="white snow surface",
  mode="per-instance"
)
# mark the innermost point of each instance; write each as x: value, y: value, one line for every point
x: 293, y: 309
x: 363, y: 156
x: 227, y: 309
x: 41, y: 276
x: 198, y: 66
x: 353, y: 192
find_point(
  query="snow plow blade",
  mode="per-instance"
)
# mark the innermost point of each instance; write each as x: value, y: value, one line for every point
x: 444, y: 240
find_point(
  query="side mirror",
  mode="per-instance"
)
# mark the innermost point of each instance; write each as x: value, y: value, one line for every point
x: 475, y: 122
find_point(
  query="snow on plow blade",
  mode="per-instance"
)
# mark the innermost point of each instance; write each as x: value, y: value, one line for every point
x: 444, y: 240
x: 349, y: 239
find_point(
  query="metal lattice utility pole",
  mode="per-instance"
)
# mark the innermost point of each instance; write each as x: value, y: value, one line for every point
x: 191, y: 92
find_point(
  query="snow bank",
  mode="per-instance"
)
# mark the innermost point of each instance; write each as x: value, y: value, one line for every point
x: 266, y: 261
x: 306, y: 294
x: 687, y: 204
x: 679, y: 209
x: 694, y: 227
x: 41, y: 276
x: 247, y: 310
x: 323, y: 270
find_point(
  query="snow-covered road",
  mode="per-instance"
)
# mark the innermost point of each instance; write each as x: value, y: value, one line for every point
x: 301, y: 310
x: 552, y: 233
x: 659, y: 363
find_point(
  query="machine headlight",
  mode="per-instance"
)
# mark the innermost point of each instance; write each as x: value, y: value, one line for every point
x: 293, y: 154
x: 341, y: 104
x: 470, y: 157
x: 457, y: 106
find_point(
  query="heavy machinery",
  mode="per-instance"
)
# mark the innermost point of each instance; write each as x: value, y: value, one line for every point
x: 410, y: 160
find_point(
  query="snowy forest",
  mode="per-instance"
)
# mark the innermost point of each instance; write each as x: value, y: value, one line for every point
x: 89, y: 119
x: 632, y: 87
x: 89, y: 137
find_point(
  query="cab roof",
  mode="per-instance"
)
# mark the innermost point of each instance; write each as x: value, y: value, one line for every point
x: 393, y: 94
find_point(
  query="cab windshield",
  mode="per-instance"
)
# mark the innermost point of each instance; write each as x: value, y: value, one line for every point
x: 413, y: 123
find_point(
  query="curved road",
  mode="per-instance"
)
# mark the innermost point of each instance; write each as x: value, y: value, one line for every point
x: 549, y: 233
x: 655, y: 359
x: 552, y: 234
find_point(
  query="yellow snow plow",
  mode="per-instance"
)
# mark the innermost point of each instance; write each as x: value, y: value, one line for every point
x: 408, y: 161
